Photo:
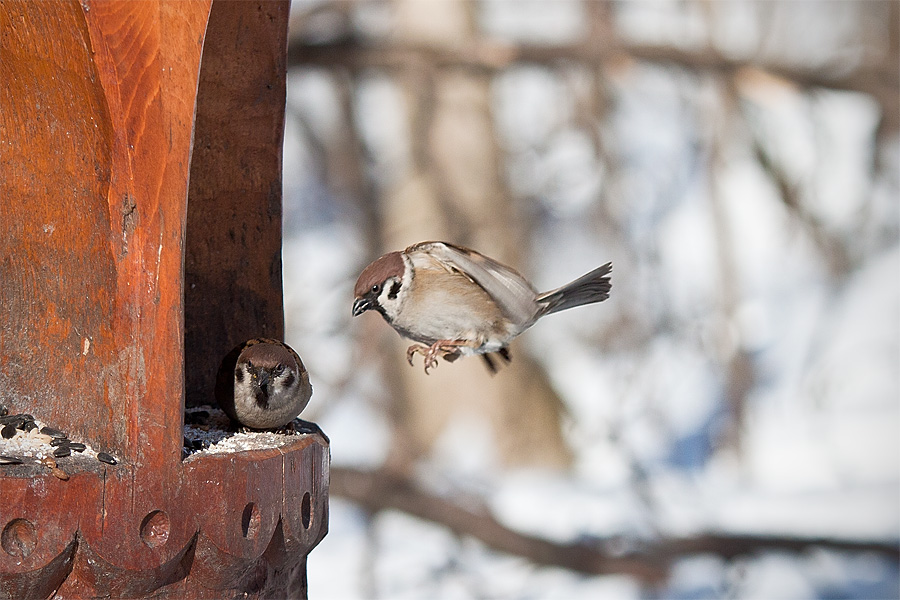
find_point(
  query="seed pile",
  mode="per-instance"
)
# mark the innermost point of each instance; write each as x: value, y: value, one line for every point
x: 208, y: 430
x: 26, y: 440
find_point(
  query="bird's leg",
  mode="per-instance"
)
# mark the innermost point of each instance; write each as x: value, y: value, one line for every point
x: 426, y: 351
x: 413, y: 350
x: 431, y: 355
x: 443, y: 348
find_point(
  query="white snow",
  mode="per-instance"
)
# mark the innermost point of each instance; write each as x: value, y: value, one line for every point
x: 643, y: 375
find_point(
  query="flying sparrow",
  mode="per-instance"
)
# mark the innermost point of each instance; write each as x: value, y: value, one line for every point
x: 457, y: 302
x: 262, y: 384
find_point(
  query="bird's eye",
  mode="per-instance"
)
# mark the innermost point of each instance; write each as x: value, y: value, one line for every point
x: 278, y: 370
x: 376, y: 289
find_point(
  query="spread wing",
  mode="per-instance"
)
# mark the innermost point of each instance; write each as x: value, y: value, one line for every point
x: 512, y: 292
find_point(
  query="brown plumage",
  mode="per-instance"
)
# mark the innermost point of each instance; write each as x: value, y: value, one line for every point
x: 391, y: 264
x: 455, y: 301
x: 262, y: 384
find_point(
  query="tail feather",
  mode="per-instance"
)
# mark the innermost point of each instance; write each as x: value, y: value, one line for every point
x: 587, y: 289
x: 489, y: 362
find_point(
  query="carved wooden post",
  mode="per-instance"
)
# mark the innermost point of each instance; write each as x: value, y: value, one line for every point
x: 99, y: 332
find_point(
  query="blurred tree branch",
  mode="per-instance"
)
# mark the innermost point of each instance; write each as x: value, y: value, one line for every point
x: 833, y: 248
x: 444, y: 99
x: 381, y: 490
x: 881, y: 81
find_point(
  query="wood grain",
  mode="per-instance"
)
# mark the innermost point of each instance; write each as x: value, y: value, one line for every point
x: 102, y: 128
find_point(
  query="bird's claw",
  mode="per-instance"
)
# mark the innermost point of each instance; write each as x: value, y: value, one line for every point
x: 430, y: 353
x: 413, y: 350
x: 431, y: 361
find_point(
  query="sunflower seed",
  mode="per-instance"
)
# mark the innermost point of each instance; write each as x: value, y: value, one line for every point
x: 10, y: 460
x: 77, y: 446
x: 106, y: 458
x: 60, y: 442
x: 62, y: 451
x: 8, y: 431
x: 54, y: 433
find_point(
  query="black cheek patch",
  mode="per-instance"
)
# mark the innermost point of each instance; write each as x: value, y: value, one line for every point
x: 395, y: 289
x: 239, y: 374
x: 289, y: 379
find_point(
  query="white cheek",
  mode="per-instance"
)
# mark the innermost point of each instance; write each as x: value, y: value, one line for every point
x: 244, y: 386
x: 392, y: 304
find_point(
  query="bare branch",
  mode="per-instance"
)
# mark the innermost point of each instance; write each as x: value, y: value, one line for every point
x: 879, y: 81
x: 831, y: 247
x: 380, y: 490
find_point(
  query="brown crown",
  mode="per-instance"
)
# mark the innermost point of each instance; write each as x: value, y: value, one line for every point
x: 389, y: 265
x: 267, y: 355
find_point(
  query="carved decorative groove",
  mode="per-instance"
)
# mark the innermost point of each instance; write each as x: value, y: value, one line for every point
x: 100, y: 229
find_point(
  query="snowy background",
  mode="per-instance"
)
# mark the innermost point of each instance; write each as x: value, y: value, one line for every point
x: 792, y: 280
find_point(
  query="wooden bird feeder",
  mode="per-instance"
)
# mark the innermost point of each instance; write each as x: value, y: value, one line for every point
x: 140, y: 240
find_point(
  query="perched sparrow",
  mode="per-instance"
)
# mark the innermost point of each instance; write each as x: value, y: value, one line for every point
x: 262, y: 384
x: 457, y: 302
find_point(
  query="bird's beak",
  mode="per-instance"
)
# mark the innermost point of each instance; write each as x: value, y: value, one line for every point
x: 264, y: 379
x: 360, y: 306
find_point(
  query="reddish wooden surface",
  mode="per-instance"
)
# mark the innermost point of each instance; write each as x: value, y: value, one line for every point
x: 235, y: 176
x: 229, y: 525
x: 98, y: 236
